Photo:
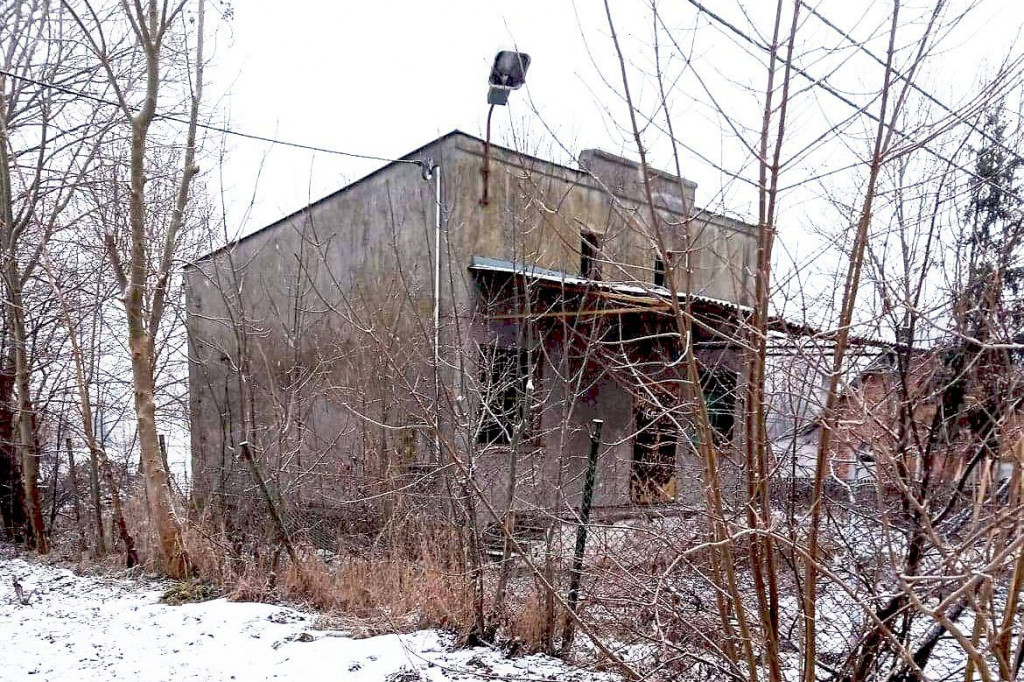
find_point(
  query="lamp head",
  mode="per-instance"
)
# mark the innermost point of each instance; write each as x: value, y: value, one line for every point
x: 508, y: 73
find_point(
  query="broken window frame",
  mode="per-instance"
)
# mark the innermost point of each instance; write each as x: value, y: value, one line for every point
x: 720, y: 402
x: 653, y: 474
x: 659, y: 271
x: 506, y: 400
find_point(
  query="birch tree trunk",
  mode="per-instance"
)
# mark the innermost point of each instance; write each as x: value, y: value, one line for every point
x: 140, y: 343
x: 145, y: 271
x: 161, y: 506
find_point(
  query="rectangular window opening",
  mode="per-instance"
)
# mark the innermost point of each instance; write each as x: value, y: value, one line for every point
x: 719, y: 390
x: 590, y: 254
x: 659, y: 271
x: 652, y: 479
x: 506, y: 401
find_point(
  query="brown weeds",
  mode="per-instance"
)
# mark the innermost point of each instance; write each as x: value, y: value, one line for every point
x: 367, y: 590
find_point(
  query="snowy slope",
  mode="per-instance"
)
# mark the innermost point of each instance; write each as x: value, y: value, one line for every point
x: 83, y: 628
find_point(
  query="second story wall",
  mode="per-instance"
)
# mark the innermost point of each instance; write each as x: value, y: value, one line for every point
x: 314, y: 312
x: 540, y: 213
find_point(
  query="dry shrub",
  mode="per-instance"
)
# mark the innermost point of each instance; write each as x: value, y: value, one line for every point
x: 386, y: 593
x: 140, y: 526
x: 365, y: 590
x: 527, y: 623
x: 188, y: 592
x: 413, y: 575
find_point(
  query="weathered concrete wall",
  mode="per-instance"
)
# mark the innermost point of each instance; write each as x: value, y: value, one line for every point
x: 535, y: 215
x: 272, y: 323
x: 313, y: 337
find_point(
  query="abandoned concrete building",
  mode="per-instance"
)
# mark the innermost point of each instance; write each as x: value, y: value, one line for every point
x: 468, y: 310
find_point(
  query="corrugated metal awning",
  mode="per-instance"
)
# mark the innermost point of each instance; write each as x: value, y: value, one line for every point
x: 654, y: 293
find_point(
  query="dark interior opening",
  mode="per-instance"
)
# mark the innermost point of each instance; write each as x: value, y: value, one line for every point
x: 504, y: 373
x: 719, y: 389
x: 590, y: 247
x: 659, y: 272
x: 653, y: 476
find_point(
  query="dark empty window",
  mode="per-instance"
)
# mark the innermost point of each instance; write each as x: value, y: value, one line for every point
x: 652, y: 479
x: 590, y: 254
x: 719, y: 389
x: 659, y: 272
x: 504, y: 376
x: 408, y: 445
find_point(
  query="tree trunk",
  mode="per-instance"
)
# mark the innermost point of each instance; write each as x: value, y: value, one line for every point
x: 25, y: 440
x: 159, y: 493
x: 131, y: 555
x: 54, y: 481
x: 12, y: 492
x: 22, y: 437
x: 97, y: 506
x: 163, y: 457
x: 76, y: 500
x: 144, y: 313
x: 97, y: 455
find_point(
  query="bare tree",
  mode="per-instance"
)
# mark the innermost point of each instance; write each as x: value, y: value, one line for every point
x: 86, y: 411
x: 837, y: 525
x: 48, y: 141
x: 160, y: 42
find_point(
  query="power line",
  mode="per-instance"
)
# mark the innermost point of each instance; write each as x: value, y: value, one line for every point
x: 820, y: 82
x: 206, y: 126
x: 913, y: 84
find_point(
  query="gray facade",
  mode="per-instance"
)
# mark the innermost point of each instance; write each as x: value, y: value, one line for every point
x: 312, y: 340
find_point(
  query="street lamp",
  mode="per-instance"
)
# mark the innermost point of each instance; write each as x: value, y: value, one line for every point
x: 508, y: 73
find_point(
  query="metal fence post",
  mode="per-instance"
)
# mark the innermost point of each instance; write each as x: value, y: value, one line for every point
x: 581, y: 535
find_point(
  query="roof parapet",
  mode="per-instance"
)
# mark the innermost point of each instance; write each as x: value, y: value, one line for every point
x: 624, y: 177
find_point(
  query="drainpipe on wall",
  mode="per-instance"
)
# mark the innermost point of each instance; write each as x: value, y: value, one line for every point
x: 432, y: 171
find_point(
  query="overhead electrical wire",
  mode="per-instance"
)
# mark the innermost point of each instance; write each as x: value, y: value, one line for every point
x: 818, y: 82
x: 913, y: 84
x: 206, y: 126
x: 701, y: 8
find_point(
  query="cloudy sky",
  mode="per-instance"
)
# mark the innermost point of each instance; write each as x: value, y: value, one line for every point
x: 384, y: 77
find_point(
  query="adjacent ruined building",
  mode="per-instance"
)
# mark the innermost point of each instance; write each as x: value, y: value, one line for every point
x: 374, y: 354
x: 870, y: 423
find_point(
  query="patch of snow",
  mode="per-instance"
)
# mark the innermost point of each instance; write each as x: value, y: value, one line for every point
x: 86, y: 628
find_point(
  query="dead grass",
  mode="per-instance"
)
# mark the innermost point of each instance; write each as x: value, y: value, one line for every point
x: 367, y: 591
x: 414, y: 577
x: 527, y: 623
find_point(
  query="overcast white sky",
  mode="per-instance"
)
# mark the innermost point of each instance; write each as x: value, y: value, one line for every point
x: 384, y: 77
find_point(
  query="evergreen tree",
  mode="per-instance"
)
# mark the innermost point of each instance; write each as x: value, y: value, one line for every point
x: 988, y: 306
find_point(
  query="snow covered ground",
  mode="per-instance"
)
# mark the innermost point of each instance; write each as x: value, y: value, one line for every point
x: 86, y: 628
